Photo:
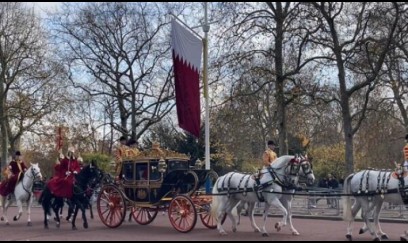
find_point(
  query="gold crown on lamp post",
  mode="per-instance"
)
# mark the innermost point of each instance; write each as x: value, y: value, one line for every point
x: 162, y: 165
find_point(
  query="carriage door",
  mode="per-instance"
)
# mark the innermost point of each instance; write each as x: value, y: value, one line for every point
x: 155, y: 180
x: 141, y: 190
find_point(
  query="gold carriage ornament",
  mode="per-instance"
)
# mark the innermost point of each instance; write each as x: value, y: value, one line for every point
x: 198, y: 164
x: 162, y: 165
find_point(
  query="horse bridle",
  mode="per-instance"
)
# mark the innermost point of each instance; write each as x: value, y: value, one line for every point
x: 88, y: 187
x: 295, y: 165
x: 34, y: 175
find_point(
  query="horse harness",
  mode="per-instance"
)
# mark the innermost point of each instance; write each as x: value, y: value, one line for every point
x: 382, y: 184
x: 258, y: 187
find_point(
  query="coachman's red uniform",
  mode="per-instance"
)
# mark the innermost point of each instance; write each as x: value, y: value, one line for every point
x: 61, y: 185
x: 17, y: 169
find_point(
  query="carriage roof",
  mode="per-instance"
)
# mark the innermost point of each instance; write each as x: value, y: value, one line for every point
x: 156, y: 153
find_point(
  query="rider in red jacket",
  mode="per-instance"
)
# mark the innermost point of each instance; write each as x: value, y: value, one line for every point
x: 17, y: 169
x: 61, y: 185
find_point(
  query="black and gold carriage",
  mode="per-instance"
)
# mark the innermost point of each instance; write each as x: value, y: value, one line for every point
x: 154, y: 180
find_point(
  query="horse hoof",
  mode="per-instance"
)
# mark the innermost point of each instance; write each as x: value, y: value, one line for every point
x: 384, y: 237
x: 15, y: 218
x: 74, y: 228
x: 295, y: 233
x: 277, y: 227
x: 376, y: 239
x: 46, y: 227
x: 29, y: 224
x: 257, y: 230
x: 349, y: 237
x: 2, y: 218
x: 7, y: 223
x: 223, y: 233
x: 58, y: 225
x: 86, y: 225
x: 361, y: 231
x: 265, y: 234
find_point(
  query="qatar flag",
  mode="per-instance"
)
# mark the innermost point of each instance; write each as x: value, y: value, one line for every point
x: 187, y: 49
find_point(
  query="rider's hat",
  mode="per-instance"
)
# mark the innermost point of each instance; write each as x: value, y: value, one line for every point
x: 18, y: 153
x: 406, y: 137
x: 131, y: 142
x: 271, y: 142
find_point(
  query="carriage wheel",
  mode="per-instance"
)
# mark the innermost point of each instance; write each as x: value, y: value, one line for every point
x: 111, y: 206
x: 143, y: 215
x: 207, y: 219
x: 182, y: 214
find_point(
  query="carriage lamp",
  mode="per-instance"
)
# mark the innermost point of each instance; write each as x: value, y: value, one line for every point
x: 198, y: 164
x: 162, y: 165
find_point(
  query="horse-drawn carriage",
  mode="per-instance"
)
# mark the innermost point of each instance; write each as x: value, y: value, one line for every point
x: 154, y: 180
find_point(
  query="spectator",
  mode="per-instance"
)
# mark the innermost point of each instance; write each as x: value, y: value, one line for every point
x: 323, y: 183
x: 332, y: 184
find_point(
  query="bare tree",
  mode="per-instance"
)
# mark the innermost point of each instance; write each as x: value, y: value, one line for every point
x: 25, y: 73
x: 122, y: 50
x: 357, y: 43
x: 277, y: 35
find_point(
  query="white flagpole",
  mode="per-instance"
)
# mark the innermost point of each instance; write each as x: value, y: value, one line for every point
x: 206, y: 29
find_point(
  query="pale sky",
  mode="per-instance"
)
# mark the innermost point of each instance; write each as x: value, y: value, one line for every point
x: 41, y: 6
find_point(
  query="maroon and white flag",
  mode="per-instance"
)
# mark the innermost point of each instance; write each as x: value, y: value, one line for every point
x: 187, y: 49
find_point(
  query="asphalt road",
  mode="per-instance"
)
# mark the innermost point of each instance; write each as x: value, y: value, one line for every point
x: 161, y: 229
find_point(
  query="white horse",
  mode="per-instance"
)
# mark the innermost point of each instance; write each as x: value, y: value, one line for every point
x: 22, y: 193
x: 283, y: 173
x: 371, y: 188
x: 286, y: 198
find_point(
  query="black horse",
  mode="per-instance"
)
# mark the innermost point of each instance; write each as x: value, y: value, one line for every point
x: 95, y: 185
x: 83, y: 181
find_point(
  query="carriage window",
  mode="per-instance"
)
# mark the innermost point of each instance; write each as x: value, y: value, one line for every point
x: 177, y: 165
x: 128, y: 170
x: 141, y: 171
x: 154, y: 171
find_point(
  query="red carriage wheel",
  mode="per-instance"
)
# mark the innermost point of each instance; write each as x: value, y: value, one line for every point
x: 111, y: 206
x: 143, y: 215
x: 182, y: 214
x: 208, y: 220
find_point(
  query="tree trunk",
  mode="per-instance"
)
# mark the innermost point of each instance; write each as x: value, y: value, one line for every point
x: 3, y: 127
x: 280, y: 79
x: 345, y: 110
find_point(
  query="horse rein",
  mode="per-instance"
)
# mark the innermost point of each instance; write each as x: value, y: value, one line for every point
x: 34, y: 175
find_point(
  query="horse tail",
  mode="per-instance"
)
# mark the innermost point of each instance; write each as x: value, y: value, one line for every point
x: 215, y: 201
x: 347, y: 216
x: 40, y: 199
